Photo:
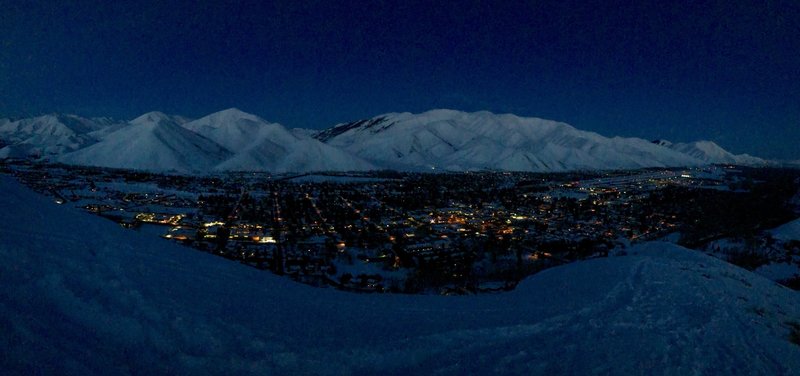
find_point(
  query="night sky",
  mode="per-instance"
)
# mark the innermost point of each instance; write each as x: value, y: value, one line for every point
x: 728, y: 71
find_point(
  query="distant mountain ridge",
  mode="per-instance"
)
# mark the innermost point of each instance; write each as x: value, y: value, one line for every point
x: 262, y: 146
x: 454, y: 140
x: 48, y: 135
x: 449, y: 140
x: 708, y: 151
x: 153, y: 142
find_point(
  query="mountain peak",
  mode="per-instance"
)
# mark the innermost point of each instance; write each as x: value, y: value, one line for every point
x: 230, y: 115
x: 706, y: 144
x: 152, y: 117
x: 233, y: 111
x: 153, y: 142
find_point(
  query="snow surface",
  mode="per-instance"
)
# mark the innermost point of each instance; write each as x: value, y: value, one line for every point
x: 778, y: 271
x: 80, y: 295
x: 788, y: 231
x: 293, y: 155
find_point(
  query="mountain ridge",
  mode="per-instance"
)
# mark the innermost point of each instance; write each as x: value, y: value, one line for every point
x: 48, y: 135
x: 442, y: 139
x: 454, y: 140
x: 153, y: 142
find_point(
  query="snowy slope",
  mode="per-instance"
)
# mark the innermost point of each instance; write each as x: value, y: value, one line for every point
x: 455, y: 140
x: 154, y: 142
x: 48, y: 135
x: 710, y: 152
x: 233, y: 128
x: 293, y: 155
x: 101, y: 133
x: 262, y: 146
x: 788, y: 231
x: 80, y: 295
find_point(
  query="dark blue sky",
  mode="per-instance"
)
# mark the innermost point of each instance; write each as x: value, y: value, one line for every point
x: 728, y: 71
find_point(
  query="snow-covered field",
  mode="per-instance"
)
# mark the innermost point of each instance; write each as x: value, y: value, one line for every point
x: 81, y: 295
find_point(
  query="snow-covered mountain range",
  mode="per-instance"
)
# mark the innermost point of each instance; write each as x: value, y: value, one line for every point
x: 710, y: 152
x: 262, y: 146
x: 81, y: 295
x: 153, y: 141
x: 49, y: 135
x: 454, y: 140
x: 447, y: 140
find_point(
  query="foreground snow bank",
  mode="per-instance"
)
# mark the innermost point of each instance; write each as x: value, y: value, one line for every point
x: 80, y: 295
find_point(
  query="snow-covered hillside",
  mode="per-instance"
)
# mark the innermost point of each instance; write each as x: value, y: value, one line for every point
x: 297, y: 155
x: 788, y: 231
x: 455, y: 140
x: 48, y: 135
x: 80, y: 295
x: 229, y: 140
x: 234, y: 129
x: 710, y: 152
x: 262, y: 146
x: 154, y: 142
